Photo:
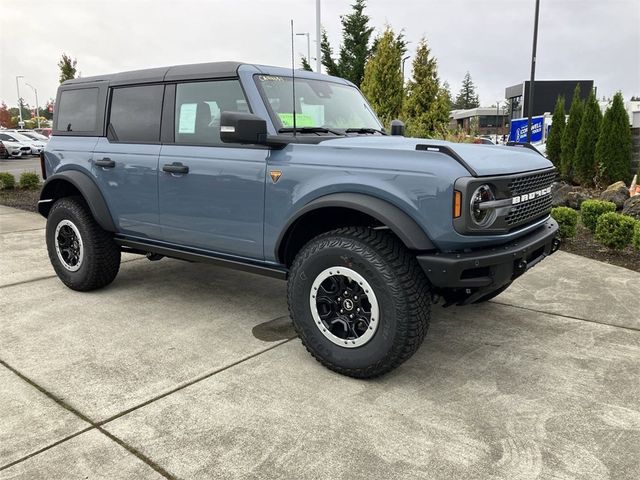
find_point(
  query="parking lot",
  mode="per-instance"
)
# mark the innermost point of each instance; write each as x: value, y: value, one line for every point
x: 16, y: 166
x: 182, y: 370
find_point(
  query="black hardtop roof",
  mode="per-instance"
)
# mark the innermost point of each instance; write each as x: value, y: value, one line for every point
x: 173, y: 73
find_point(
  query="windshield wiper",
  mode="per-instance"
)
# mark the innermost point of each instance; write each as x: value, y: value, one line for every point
x: 310, y: 130
x: 365, y: 130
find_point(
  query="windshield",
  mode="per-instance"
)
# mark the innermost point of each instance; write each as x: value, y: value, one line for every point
x: 319, y: 104
x: 34, y: 136
x: 19, y: 137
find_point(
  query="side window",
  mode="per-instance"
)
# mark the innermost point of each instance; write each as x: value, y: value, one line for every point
x: 198, y: 108
x: 77, y: 110
x: 135, y: 114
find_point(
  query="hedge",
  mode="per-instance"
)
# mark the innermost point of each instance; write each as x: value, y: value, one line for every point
x: 590, y: 210
x: 29, y: 180
x: 636, y: 236
x: 7, y: 181
x: 614, y: 230
x: 567, y: 219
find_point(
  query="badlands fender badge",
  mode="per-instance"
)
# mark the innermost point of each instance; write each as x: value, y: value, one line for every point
x: 530, y: 196
x: 275, y: 175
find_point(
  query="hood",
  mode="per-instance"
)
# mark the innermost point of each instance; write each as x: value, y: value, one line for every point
x: 483, y: 160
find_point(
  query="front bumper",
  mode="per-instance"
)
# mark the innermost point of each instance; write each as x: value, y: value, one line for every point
x: 467, y: 276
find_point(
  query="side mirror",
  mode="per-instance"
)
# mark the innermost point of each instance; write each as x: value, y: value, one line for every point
x: 240, y: 127
x: 397, y: 127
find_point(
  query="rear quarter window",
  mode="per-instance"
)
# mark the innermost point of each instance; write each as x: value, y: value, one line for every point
x: 78, y: 110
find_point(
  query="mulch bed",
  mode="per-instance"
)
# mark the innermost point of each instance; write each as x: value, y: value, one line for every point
x: 18, y: 198
x: 585, y: 244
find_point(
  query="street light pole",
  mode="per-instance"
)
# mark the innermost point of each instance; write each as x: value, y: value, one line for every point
x: 308, y: 45
x: 533, y: 71
x: 404, y: 60
x: 21, y: 124
x: 497, y: 119
x: 35, y: 90
x: 318, y: 39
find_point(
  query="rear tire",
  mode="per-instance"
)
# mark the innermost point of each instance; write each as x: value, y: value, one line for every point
x: 359, y: 301
x: 83, y: 255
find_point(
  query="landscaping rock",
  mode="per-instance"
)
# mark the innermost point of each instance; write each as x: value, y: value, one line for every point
x: 564, y: 195
x: 632, y: 207
x: 617, y: 193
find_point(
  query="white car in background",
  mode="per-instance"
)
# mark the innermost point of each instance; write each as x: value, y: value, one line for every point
x: 37, y: 146
x: 15, y: 147
x: 33, y: 135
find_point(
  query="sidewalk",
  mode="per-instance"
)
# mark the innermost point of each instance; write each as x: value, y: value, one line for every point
x: 182, y: 370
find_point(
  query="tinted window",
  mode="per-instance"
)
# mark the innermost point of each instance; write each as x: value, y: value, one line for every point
x: 78, y: 110
x: 135, y: 114
x: 7, y: 138
x: 198, y: 108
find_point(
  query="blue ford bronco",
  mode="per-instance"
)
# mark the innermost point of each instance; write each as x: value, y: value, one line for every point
x: 248, y: 167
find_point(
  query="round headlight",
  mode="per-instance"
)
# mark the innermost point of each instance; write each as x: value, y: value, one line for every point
x: 482, y: 217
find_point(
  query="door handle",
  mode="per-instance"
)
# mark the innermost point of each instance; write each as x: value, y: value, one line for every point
x: 105, y: 162
x: 175, y: 168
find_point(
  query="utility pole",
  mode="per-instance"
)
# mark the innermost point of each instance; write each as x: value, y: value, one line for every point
x: 318, y: 39
x: 35, y: 90
x: 533, y: 71
x: 308, y: 45
x: 21, y: 123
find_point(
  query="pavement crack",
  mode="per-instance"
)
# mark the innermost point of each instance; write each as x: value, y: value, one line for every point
x: 83, y: 417
x: 192, y: 382
x: 100, y: 425
x: 565, y: 316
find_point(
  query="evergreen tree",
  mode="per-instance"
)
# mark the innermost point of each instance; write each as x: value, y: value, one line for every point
x: 467, y: 97
x: 383, y: 83
x: 331, y: 67
x: 305, y: 64
x: 554, y: 142
x: 426, y: 105
x: 446, y: 91
x: 613, y: 150
x: 570, y: 135
x: 67, y: 67
x: 355, y: 49
x: 585, y: 164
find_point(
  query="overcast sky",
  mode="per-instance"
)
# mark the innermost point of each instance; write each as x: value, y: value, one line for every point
x: 578, y: 39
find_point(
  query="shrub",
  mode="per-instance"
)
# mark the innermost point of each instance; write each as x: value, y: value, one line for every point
x: 614, y: 230
x: 7, y: 181
x: 567, y: 219
x: 590, y: 210
x: 636, y: 236
x: 29, y: 180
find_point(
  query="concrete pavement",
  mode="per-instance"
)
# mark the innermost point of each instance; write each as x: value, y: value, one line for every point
x: 179, y: 370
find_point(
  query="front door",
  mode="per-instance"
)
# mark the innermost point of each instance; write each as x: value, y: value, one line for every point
x: 125, y: 163
x: 211, y: 195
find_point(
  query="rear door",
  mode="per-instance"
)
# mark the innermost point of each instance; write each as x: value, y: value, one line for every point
x: 125, y: 163
x: 211, y: 195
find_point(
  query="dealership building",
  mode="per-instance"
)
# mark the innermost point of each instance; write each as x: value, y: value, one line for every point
x: 485, y: 120
x: 545, y: 94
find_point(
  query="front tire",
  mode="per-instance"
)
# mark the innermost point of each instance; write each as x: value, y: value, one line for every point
x: 83, y: 255
x: 359, y: 301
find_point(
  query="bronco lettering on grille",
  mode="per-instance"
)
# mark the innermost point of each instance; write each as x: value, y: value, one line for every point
x: 530, y: 196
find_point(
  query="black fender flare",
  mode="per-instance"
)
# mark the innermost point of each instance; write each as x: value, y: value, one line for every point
x: 87, y: 188
x: 399, y: 222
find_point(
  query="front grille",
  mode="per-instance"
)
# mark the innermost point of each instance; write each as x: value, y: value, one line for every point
x: 529, y: 211
x: 531, y: 183
x: 25, y: 149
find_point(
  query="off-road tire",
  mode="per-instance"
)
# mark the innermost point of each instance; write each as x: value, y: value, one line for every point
x: 400, y: 285
x: 493, y: 294
x: 101, y: 259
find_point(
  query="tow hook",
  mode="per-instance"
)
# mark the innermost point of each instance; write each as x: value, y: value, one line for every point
x: 555, y: 245
x: 154, y: 257
x: 520, y: 268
